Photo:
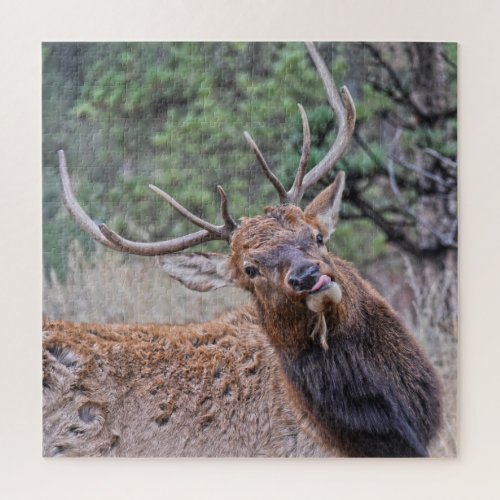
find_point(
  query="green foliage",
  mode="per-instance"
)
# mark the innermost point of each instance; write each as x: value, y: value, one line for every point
x: 359, y: 241
x: 372, y: 105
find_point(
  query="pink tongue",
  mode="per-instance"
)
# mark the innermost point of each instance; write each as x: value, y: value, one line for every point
x: 321, y: 283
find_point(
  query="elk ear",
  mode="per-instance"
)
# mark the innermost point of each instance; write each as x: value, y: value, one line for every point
x: 198, y: 271
x: 325, y: 208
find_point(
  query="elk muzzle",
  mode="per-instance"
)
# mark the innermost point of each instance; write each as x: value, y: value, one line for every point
x: 304, y: 277
x: 321, y: 289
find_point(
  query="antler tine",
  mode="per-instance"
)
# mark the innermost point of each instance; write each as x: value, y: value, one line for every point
x: 229, y: 222
x: 75, y: 209
x: 306, y: 150
x: 222, y: 232
x: 107, y: 237
x: 211, y: 228
x: 343, y: 106
x: 267, y: 171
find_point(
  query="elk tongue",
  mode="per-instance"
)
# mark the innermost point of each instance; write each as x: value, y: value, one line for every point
x: 323, y: 282
x: 323, y: 294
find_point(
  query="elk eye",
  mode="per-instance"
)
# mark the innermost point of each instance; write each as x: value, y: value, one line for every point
x: 251, y: 271
x: 319, y: 238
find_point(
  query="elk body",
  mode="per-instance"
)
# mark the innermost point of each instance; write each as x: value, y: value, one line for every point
x: 316, y: 365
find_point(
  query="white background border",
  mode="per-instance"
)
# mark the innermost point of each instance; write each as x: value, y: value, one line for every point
x: 24, y: 25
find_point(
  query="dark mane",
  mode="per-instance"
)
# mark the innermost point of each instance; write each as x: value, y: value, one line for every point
x: 359, y: 410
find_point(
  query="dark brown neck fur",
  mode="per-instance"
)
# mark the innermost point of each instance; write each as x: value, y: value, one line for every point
x: 373, y: 392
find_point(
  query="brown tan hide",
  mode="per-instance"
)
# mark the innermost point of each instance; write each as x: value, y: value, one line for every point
x: 205, y: 390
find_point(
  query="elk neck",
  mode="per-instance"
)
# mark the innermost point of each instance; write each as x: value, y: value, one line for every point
x: 371, y: 392
x: 290, y: 324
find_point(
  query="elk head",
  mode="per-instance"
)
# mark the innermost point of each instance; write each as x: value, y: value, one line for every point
x: 280, y: 257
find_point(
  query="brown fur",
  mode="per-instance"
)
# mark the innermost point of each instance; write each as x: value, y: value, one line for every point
x: 255, y: 382
x: 214, y: 389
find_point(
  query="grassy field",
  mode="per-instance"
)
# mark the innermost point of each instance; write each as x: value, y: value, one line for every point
x: 127, y: 289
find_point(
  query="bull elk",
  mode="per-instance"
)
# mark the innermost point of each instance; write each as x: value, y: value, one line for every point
x: 317, y: 364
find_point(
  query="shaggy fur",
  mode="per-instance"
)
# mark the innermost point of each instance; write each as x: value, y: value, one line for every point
x: 341, y: 376
x: 213, y: 389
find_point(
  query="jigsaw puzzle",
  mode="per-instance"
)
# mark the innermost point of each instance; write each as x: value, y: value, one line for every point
x: 250, y: 249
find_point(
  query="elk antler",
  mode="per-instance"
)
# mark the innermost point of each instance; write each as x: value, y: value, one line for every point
x: 102, y: 234
x: 343, y: 106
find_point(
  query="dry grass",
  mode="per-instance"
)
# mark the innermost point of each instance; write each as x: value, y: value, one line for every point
x: 127, y: 289
x: 434, y: 323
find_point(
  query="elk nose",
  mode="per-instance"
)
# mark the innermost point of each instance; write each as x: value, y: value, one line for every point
x: 304, y: 278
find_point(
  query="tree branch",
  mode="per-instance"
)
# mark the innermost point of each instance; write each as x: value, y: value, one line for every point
x: 405, y: 94
x: 393, y: 233
x: 444, y: 160
x: 422, y: 172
